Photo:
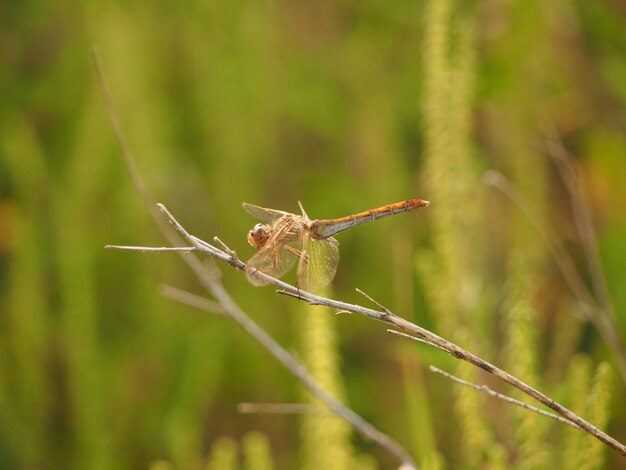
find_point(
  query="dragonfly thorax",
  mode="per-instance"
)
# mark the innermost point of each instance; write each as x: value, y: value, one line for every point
x: 258, y: 236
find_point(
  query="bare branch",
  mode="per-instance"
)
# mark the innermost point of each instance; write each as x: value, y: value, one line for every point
x: 419, y: 340
x: 120, y: 135
x: 389, y: 317
x: 375, y: 302
x: 152, y: 249
x: 232, y: 253
x: 192, y: 300
x: 198, y: 243
x: 500, y: 396
x: 210, y: 280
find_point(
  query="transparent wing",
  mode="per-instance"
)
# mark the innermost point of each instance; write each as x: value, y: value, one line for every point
x: 278, y: 255
x: 318, y: 263
x: 266, y: 215
x: 275, y: 260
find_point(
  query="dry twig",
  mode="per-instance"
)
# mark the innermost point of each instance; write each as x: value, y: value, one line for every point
x: 214, y: 286
x: 385, y: 315
x: 501, y: 396
x: 210, y: 280
x: 193, y: 300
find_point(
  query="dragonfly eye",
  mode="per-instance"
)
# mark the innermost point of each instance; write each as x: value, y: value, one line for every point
x: 258, y: 235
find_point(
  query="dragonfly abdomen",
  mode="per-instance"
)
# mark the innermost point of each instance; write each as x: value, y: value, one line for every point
x: 324, y: 228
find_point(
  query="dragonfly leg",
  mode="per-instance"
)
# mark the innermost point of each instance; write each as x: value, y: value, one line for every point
x: 276, y: 257
x: 298, y: 253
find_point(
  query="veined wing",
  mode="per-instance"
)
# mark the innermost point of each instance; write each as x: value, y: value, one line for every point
x: 279, y: 253
x: 273, y: 259
x: 318, y: 264
x: 266, y: 215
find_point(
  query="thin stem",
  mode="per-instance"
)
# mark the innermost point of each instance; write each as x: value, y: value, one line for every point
x: 297, y: 369
x: 419, y: 340
x: 122, y: 140
x: 210, y: 281
x: 459, y: 353
x: 385, y: 315
x: 152, y: 249
x: 500, y: 396
x: 212, y: 284
x: 192, y: 300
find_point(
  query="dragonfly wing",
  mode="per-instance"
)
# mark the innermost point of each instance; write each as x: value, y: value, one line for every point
x: 275, y: 261
x: 266, y: 215
x: 278, y: 255
x: 318, y: 264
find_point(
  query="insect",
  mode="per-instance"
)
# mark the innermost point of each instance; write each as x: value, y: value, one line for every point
x: 284, y: 239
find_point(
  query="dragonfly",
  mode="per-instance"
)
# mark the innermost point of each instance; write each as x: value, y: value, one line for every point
x: 284, y: 239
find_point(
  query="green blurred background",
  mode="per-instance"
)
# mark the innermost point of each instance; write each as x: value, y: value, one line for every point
x: 344, y: 106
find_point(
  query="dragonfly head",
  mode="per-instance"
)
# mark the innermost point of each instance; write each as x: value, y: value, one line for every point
x: 258, y: 236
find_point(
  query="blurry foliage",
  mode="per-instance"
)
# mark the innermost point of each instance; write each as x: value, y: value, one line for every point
x: 344, y: 106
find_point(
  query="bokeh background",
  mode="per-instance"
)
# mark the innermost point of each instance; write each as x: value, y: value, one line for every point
x: 344, y: 106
